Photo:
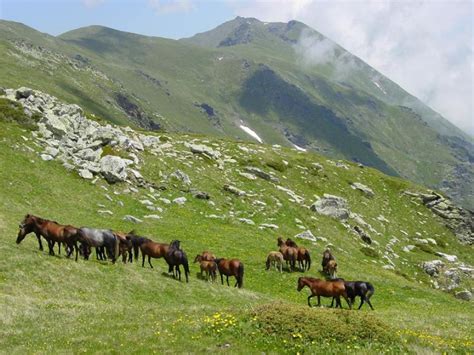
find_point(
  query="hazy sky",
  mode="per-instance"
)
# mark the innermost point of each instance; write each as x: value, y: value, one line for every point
x: 425, y: 46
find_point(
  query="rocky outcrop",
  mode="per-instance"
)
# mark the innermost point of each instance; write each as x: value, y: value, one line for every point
x: 332, y: 206
x: 260, y: 173
x: 365, y: 189
x: 459, y: 220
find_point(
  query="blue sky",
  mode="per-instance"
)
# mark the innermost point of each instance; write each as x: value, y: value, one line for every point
x: 141, y: 16
x: 425, y: 46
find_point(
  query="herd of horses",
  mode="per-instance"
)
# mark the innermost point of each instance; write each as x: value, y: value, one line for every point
x: 113, y: 244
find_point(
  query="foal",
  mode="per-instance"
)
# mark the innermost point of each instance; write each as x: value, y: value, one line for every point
x: 209, y: 267
x: 275, y: 258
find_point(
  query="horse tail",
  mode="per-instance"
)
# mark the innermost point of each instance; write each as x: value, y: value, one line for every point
x: 308, y: 258
x: 186, y: 267
x: 268, y: 263
x: 240, y: 277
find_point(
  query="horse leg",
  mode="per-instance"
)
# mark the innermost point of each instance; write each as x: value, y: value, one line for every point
x: 149, y: 260
x: 143, y: 260
x: 178, y: 272
x: 309, y: 297
x: 370, y: 304
x: 362, y: 299
x: 319, y: 301
x: 39, y: 241
x: 227, y: 279
x: 222, y: 278
x: 348, y: 302
x: 51, y: 247
x: 59, y: 248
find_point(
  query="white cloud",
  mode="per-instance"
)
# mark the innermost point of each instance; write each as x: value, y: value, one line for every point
x: 92, y: 3
x: 164, y: 7
x: 425, y: 46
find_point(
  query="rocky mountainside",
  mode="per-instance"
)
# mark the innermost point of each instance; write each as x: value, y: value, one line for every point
x: 248, y: 80
x: 233, y: 198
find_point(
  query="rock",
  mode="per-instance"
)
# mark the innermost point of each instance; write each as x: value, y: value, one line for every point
x: 110, y: 213
x: 146, y: 202
x: 464, y: 295
x: 180, y: 200
x: 202, y: 149
x: 433, y: 267
x: 365, y: 189
x: 85, y: 174
x: 202, y: 195
x: 453, y: 279
x: 332, y: 206
x: 306, y: 235
x: 55, y: 125
x: 381, y: 218
x: 51, y: 151
x: 152, y: 216
x: 89, y: 154
x: 246, y: 221
x: 388, y: 267
x: 130, y: 218
x: 268, y: 225
x: 46, y: 157
x: 450, y: 258
x: 180, y: 176
x: 164, y: 200
x: 260, y: 173
x: 234, y: 190
x: 408, y: 248
x: 292, y: 194
x: 363, y: 235
x: 23, y: 93
x: 113, y: 168
x: 248, y: 176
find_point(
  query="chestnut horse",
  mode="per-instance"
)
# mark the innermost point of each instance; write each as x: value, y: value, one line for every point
x: 303, y: 257
x: 231, y: 267
x: 52, y: 231
x: 206, y: 256
x: 331, y: 269
x: 207, y: 266
x: 275, y: 258
x: 290, y: 254
x: 125, y: 247
x: 148, y: 248
x: 323, y: 288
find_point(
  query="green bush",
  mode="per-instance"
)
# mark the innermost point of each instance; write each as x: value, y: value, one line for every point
x: 11, y: 111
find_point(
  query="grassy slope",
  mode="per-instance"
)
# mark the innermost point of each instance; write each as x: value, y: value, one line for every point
x: 54, y: 304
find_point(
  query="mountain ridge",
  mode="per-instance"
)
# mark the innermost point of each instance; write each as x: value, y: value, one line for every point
x: 168, y: 83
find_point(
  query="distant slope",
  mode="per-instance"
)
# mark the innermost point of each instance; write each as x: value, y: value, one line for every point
x: 246, y: 72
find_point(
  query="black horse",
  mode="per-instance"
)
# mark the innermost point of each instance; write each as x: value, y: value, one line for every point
x: 176, y: 257
x: 362, y: 289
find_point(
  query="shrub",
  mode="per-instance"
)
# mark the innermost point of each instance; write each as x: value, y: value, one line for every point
x: 11, y: 111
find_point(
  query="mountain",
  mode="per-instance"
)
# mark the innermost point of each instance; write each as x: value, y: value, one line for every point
x: 233, y: 199
x: 283, y: 82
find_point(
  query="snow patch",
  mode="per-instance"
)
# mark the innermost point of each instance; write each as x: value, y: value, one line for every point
x: 299, y: 148
x: 220, y: 58
x: 251, y: 132
x: 380, y: 87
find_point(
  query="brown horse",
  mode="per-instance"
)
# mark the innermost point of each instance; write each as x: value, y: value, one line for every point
x: 125, y: 246
x: 303, y: 257
x: 331, y: 269
x: 327, y: 256
x: 150, y: 248
x: 290, y: 254
x: 231, y: 267
x: 52, y: 231
x: 207, y: 266
x: 207, y: 256
x: 323, y: 288
x: 275, y: 258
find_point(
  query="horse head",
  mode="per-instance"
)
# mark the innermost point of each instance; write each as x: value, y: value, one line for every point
x: 198, y: 258
x: 175, y: 244
x: 26, y: 226
x: 280, y: 241
x: 301, y: 284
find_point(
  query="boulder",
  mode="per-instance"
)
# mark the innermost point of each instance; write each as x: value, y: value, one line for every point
x: 450, y: 258
x: 130, y: 218
x: 246, y: 221
x: 363, y: 235
x: 433, y: 267
x: 248, y: 176
x: 113, y: 168
x: 180, y: 176
x: 306, y: 235
x: 453, y: 279
x: 268, y: 226
x: 201, y: 195
x: 365, y: 189
x: 55, y: 125
x: 296, y: 198
x: 260, y: 173
x: 203, y: 149
x: 85, y: 174
x: 332, y: 206
x: 46, y: 157
x: 234, y: 190
x: 408, y: 248
x: 23, y: 93
x: 180, y: 200
x: 464, y: 295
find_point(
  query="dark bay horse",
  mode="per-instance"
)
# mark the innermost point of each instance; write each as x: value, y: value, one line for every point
x: 362, y: 289
x: 148, y: 248
x: 231, y: 267
x: 290, y: 254
x: 323, y: 288
x: 52, y: 231
x: 125, y: 246
x: 176, y: 257
x: 98, y: 238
